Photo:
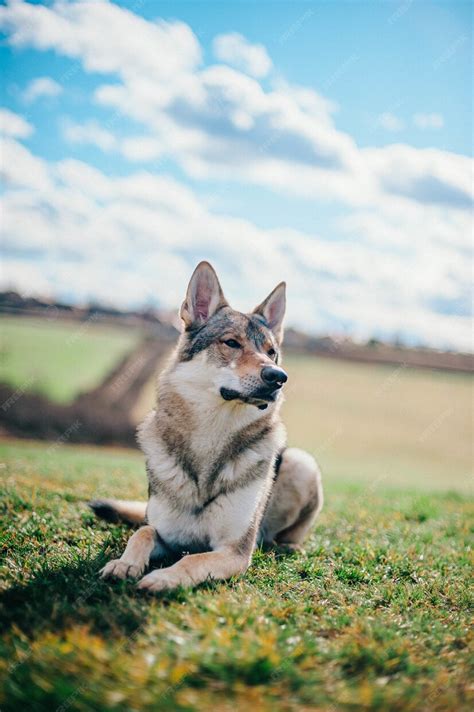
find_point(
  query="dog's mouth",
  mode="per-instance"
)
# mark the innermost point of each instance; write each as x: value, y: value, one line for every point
x: 260, y: 398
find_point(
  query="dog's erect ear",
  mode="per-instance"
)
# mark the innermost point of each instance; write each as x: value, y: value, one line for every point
x: 203, y: 298
x: 273, y: 310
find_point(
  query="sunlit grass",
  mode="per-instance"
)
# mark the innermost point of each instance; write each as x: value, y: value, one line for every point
x: 374, y: 615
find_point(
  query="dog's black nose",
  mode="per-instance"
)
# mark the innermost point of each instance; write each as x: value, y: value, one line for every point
x: 273, y: 376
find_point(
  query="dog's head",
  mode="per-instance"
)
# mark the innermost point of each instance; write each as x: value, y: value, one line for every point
x: 240, y: 352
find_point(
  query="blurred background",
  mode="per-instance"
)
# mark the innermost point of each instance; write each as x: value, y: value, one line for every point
x: 327, y: 144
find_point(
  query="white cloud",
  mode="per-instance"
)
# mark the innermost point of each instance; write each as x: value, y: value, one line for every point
x: 234, y: 49
x: 42, y: 86
x: 390, y: 122
x: 90, y: 132
x: 428, y: 121
x: 135, y: 239
x: 426, y: 176
x: 21, y: 169
x: 77, y: 29
x: 135, y: 148
x: 141, y: 148
x: 12, y: 124
x: 219, y: 123
x: 400, y: 265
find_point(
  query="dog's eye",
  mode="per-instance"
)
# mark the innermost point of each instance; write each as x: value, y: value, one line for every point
x: 271, y: 353
x: 232, y: 343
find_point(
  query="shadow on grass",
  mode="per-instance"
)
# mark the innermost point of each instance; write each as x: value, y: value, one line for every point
x: 55, y: 599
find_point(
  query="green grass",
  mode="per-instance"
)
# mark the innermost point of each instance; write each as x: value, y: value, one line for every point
x: 374, y: 615
x: 60, y: 359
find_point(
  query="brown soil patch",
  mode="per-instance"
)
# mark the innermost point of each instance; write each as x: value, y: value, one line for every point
x: 104, y: 415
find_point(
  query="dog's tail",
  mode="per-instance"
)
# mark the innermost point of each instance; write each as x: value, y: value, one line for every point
x: 119, y: 510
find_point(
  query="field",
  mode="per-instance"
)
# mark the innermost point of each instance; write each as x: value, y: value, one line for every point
x: 59, y: 359
x: 383, y: 425
x: 379, y: 425
x: 373, y: 616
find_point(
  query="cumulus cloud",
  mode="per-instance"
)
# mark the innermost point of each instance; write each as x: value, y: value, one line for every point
x: 21, y: 169
x: 119, y: 240
x: 135, y: 148
x: 42, y: 86
x: 215, y: 121
x: 428, y: 121
x: 157, y: 49
x: 234, y: 49
x: 90, y: 132
x: 12, y: 124
x: 427, y: 176
x: 405, y: 235
x: 141, y: 148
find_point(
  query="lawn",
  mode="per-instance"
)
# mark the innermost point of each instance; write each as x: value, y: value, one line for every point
x: 374, y: 615
x: 60, y: 359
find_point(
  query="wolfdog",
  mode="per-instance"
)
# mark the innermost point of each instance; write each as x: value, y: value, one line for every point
x: 220, y: 478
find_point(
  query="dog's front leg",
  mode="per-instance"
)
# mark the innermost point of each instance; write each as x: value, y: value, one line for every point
x: 136, y: 556
x: 196, y: 568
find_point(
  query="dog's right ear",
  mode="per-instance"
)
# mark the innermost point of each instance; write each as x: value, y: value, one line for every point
x: 203, y: 298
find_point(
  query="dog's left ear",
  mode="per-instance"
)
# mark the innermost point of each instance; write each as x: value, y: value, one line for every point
x: 203, y: 298
x: 273, y: 310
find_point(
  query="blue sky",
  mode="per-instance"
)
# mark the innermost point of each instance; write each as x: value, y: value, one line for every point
x: 327, y: 143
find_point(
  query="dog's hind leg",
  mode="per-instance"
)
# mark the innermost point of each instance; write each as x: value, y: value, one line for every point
x: 295, y: 501
x: 119, y: 510
x: 141, y: 545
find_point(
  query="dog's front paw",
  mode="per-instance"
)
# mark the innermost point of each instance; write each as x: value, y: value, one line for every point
x: 161, y: 580
x: 121, y: 570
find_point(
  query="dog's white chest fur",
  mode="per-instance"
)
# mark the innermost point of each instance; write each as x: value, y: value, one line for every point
x: 224, y: 521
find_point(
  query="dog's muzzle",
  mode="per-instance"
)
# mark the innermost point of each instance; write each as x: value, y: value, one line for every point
x: 258, y: 391
x: 259, y: 398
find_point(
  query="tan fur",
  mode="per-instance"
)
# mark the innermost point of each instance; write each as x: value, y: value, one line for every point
x: 136, y: 556
x: 196, y: 568
x: 210, y: 447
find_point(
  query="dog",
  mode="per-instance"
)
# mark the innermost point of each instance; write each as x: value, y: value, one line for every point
x: 221, y: 480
